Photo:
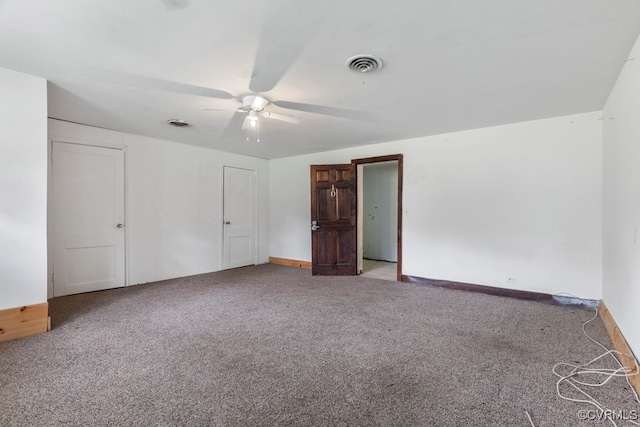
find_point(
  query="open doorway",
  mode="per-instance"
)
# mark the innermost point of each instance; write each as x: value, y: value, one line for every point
x: 379, y: 216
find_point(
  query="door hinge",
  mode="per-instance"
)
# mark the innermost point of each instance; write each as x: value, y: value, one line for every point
x: 52, y: 275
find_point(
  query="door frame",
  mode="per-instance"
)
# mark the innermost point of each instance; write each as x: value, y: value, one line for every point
x: 359, y: 229
x: 102, y: 144
x: 256, y: 210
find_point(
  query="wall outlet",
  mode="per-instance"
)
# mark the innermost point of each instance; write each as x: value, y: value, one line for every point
x: 512, y: 279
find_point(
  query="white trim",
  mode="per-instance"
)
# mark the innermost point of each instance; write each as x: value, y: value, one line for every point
x: 49, y: 219
x: 221, y: 225
x: 79, y: 141
x: 125, y: 155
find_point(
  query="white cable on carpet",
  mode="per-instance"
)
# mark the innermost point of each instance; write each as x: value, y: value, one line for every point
x: 607, y: 373
x: 529, y: 416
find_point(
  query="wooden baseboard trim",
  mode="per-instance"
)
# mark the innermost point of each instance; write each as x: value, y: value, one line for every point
x: 503, y: 292
x: 490, y: 290
x: 24, y: 321
x: 290, y: 262
x: 619, y: 343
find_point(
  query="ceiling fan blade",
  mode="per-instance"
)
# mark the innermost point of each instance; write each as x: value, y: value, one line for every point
x: 282, y: 117
x: 288, y: 28
x: 218, y: 109
x: 152, y: 83
x: 345, y: 113
x: 232, y: 130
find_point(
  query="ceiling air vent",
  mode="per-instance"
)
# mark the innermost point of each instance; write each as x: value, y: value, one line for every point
x: 364, y: 63
x: 178, y: 123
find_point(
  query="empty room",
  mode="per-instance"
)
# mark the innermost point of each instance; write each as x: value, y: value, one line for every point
x: 333, y: 213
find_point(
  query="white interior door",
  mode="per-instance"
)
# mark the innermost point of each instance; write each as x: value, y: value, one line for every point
x: 88, y: 218
x: 239, y: 217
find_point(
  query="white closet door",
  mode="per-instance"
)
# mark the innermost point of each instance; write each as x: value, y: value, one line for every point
x: 88, y: 218
x: 239, y: 217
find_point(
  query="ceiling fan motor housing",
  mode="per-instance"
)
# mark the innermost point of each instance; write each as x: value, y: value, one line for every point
x: 254, y: 102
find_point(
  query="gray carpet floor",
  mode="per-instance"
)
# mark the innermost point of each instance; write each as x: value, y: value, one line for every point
x: 274, y: 346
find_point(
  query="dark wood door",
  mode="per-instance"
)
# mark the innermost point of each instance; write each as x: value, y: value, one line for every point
x: 333, y: 208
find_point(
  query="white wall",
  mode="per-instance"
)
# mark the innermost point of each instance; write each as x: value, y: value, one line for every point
x: 380, y: 211
x: 480, y: 206
x: 23, y: 189
x: 174, y: 202
x: 621, y: 169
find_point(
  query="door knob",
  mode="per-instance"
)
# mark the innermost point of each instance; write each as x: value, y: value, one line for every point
x: 227, y: 222
x: 120, y: 225
x: 314, y: 225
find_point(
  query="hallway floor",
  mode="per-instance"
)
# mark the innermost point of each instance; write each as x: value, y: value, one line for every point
x: 383, y: 270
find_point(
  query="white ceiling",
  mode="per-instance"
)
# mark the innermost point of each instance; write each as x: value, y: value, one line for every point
x: 448, y: 65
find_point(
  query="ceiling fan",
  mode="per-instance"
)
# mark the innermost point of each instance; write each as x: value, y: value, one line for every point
x: 255, y: 105
x: 279, y: 46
